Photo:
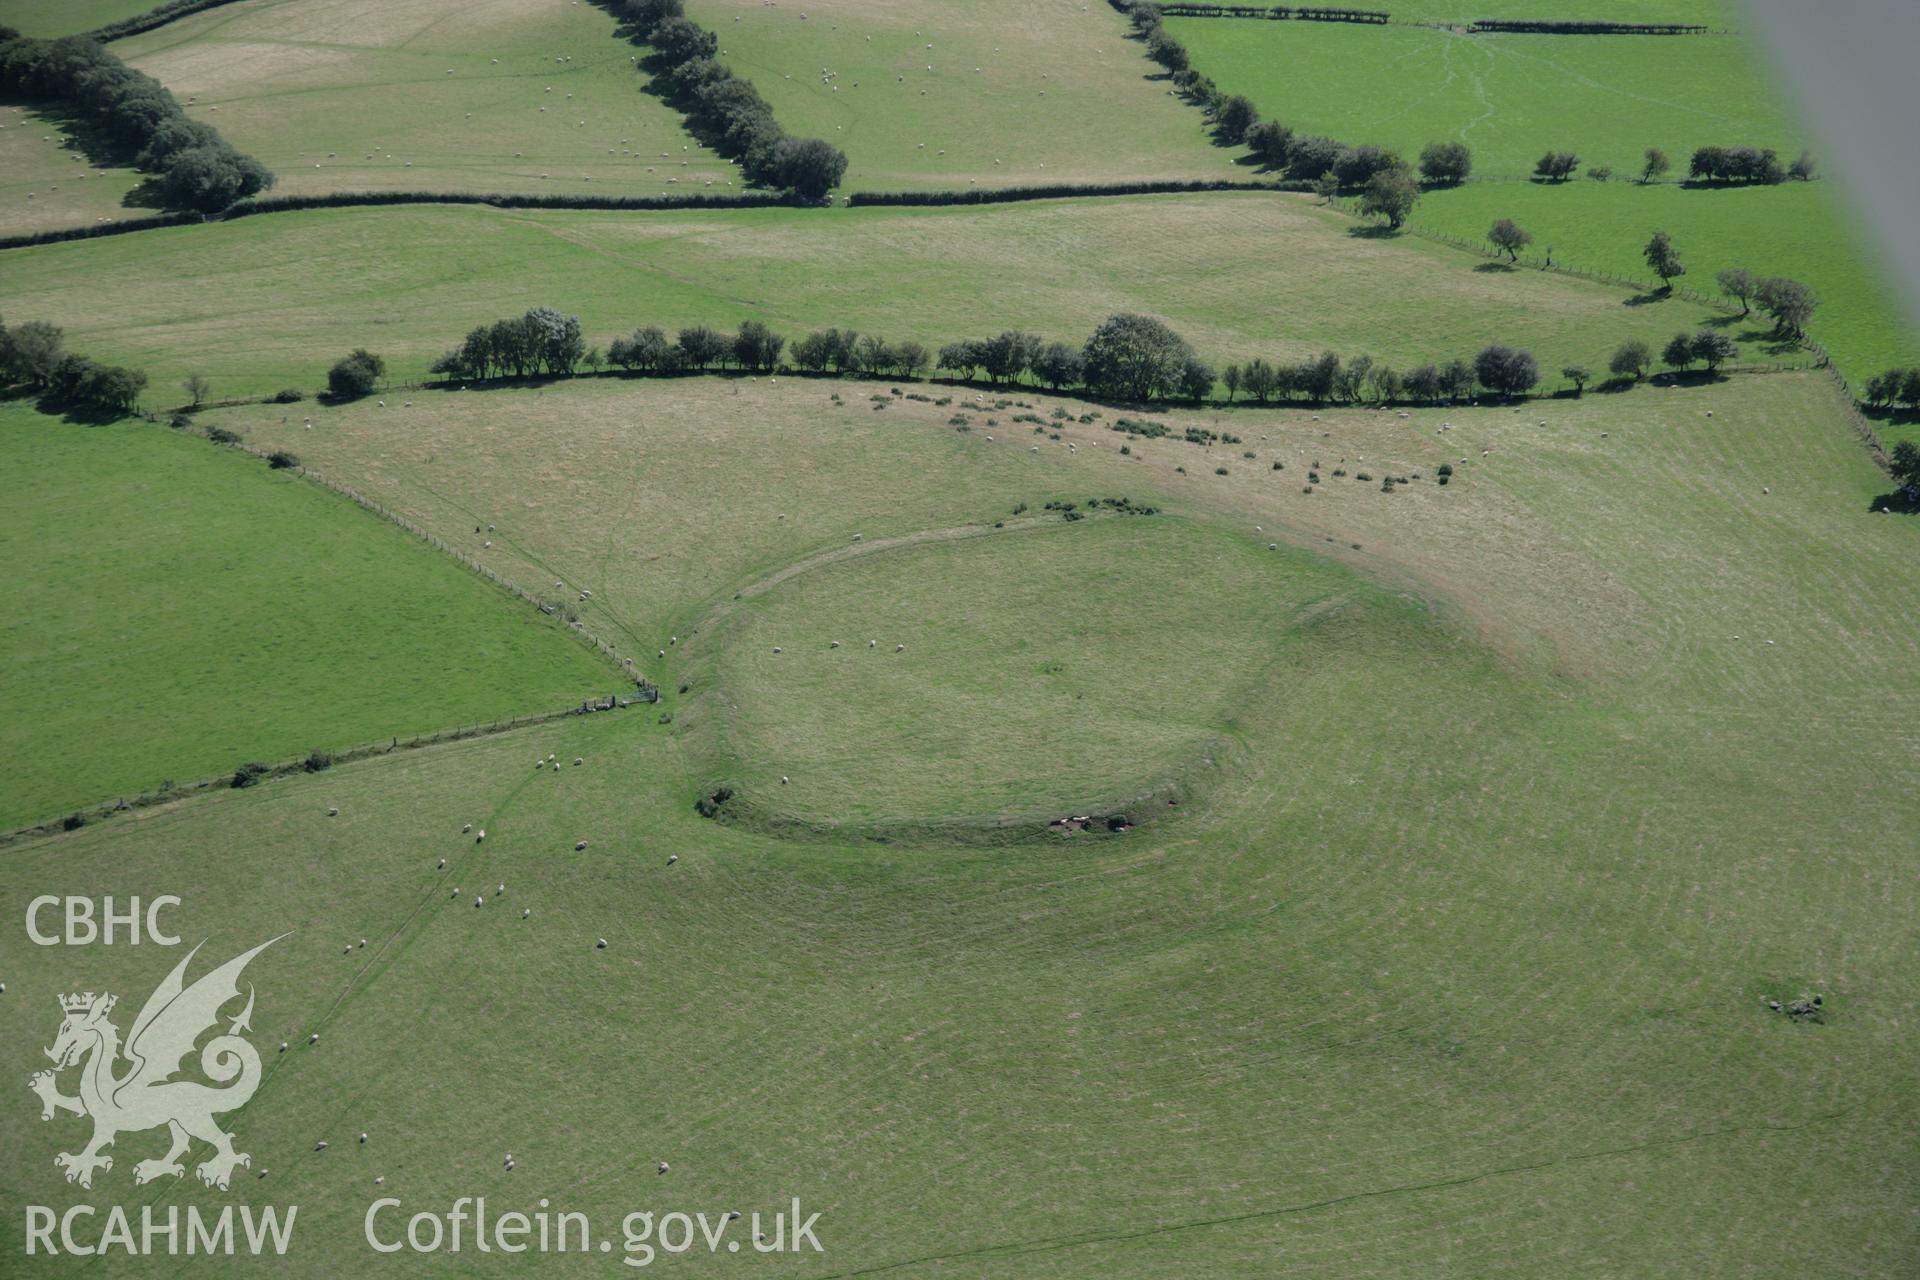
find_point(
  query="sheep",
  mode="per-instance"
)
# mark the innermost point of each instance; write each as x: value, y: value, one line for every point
x: 784, y: 779
x: 500, y: 889
x: 601, y: 945
x: 480, y: 835
x: 348, y: 949
x: 363, y: 944
x: 333, y: 811
x: 319, y: 1146
x: 283, y: 1046
x: 314, y: 1038
x: 672, y: 858
x: 776, y: 648
x: 442, y: 866
x: 663, y: 1166
x: 479, y: 901
x: 899, y: 648
x: 579, y: 846
x: 525, y: 912
x: 873, y: 644
x: 834, y: 645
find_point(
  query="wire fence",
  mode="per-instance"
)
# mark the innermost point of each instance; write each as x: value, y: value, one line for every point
x: 314, y: 762
x: 625, y: 665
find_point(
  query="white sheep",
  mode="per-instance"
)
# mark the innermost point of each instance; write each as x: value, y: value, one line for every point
x: 579, y: 846
x: 601, y: 945
x: 672, y: 858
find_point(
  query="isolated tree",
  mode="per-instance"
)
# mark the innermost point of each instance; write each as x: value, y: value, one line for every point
x: 356, y: 374
x: 33, y: 351
x: 197, y: 389
x: 1446, y: 163
x: 1310, y: 157
x: 1505, y: 370
x: 963, y: 358
x: 1390, y: 194
x: 1579, y: 375
x: 757, y: 347
x: 808, y: 167
x: 1678, y: 353
x: 1630, y: 360
x: 1905, y: 465
x: 1424, y: 383
x: 1234, y: 115
x: 1008, y: 356
x: 1507, y: 237
x: 1740, y: 283
x: 1196, y: 379
x: 1136, y: 357
x: 1057, y: 365
x: 1803, y: 168
x: 555, y: 339
x: 1790, y: 303
x: 1167, y: 51
x: 1260, y: 379
x: 1556, y: 166
x: 1655, y: 165
x: 1666, y: 264
x: 701, y: 347
x: 1270, y: 140
x: 1713, y: 349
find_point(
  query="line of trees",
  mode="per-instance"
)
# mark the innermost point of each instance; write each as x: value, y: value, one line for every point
x: 1128, y: 357
x: 1496, y: 369
x: 1586, y: 28
x: 171, y: 11
x: 34, y: 355
x: 727, y: 107
x: 1789, y: 303
x: 193, y: 167
x: 1277, y: 12
x: 1747, y: 164
x: 541, y: 341
x: 1895, y: 387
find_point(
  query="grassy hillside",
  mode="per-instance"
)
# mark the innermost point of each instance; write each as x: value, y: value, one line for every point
x: 1803, y: 230
x: 178, y: 609
x: 45, y: 184
x: 279, y: 297
x: 1509, y: 97
x: 429, y: 95
x: 1466, y: 940
x: 990, y: 92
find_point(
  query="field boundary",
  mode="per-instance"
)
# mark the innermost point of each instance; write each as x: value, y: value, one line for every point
x: 624, y: 665
x: 153, y: 19
x: 167, y: 793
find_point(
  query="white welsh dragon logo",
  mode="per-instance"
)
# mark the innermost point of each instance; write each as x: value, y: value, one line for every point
x: 145, y: 1096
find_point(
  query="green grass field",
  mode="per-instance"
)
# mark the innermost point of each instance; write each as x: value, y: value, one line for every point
x: 68, y: 17
x: 429, y: 95
x: 44, y: 184
x: 278, y: 298
x: 1064, y: 669
x: 1802, y: 230
x: 1473, y: 824
x: 924, y: 95
x: 196, y: 611
x: 1508, y: 97
x: 1464, y: 940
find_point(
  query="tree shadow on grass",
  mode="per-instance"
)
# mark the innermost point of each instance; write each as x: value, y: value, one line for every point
x: 1497, y: 268
x: 1647, y: 299
x: 1372, y: 231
